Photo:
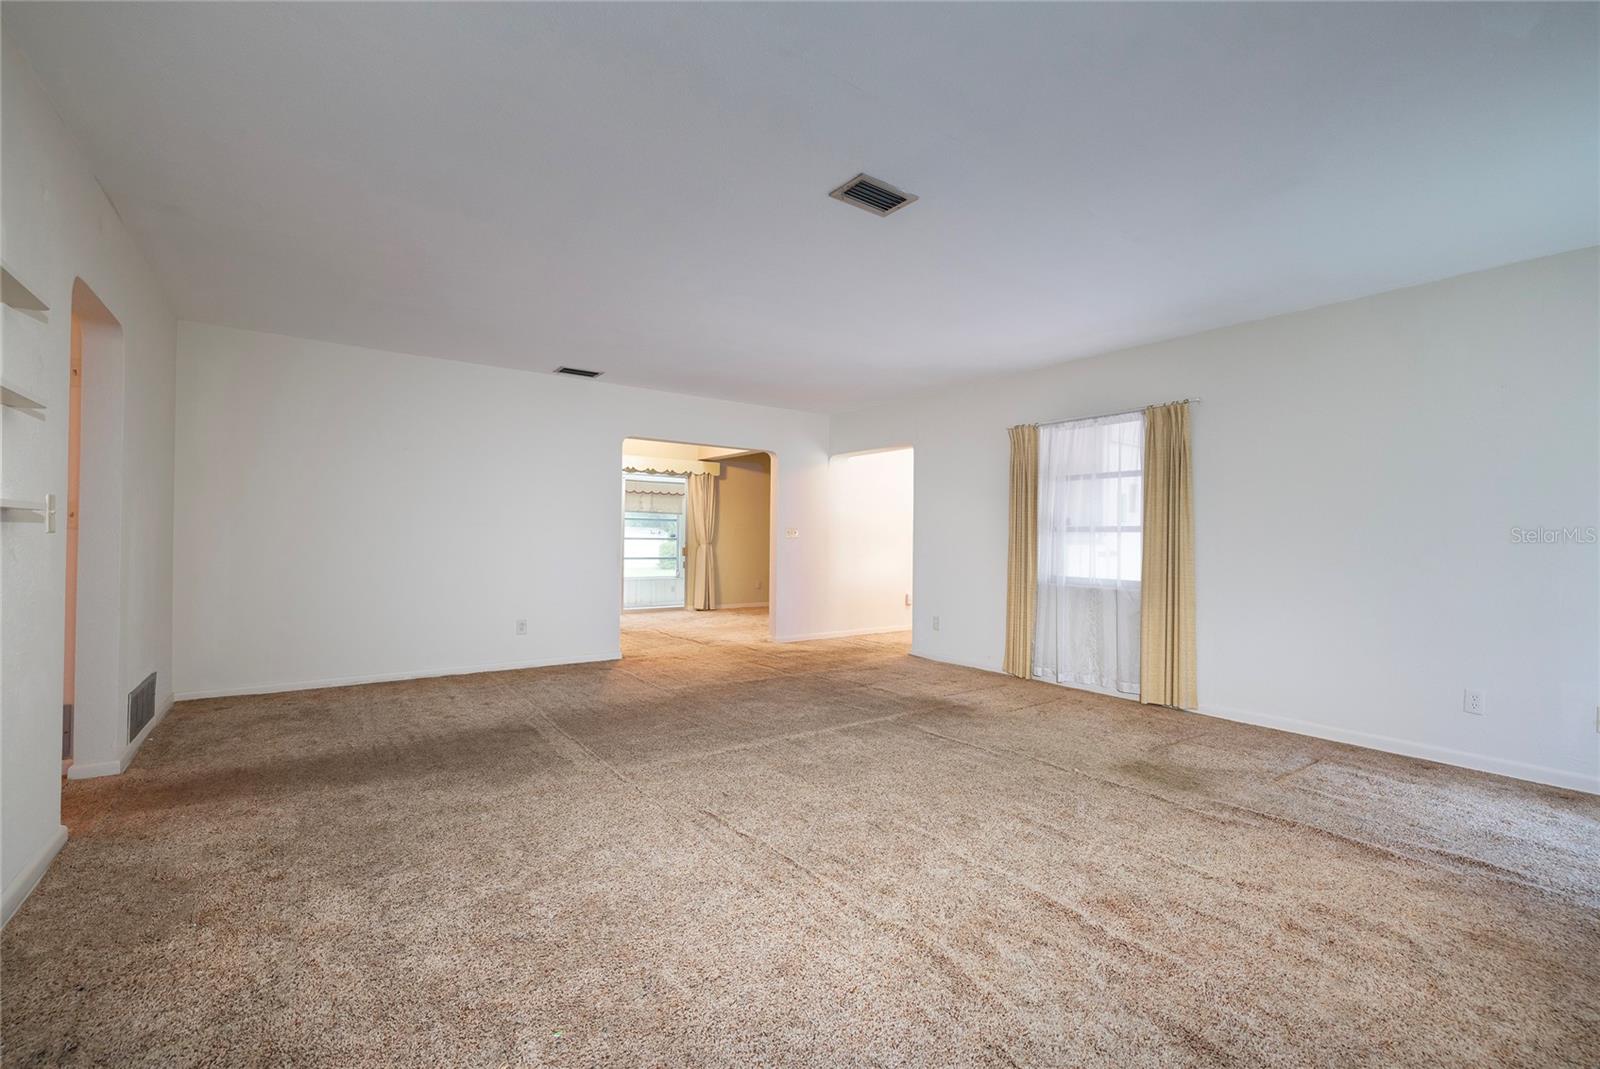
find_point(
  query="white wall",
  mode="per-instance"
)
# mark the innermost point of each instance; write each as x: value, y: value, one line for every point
x: 1358, y: 470
x: 58, y: 226
x: 871, y: 501
x: 346, y: 514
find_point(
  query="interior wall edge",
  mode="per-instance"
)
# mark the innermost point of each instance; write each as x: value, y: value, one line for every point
x: 1477, y: 762
x: 18, y: 890
x: 251, y: 689
x: 849, y: 632
x: 1521, y: 770
x: 96, y: 769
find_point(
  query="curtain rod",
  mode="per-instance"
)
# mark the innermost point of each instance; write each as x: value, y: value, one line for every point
x: 1108, y: 415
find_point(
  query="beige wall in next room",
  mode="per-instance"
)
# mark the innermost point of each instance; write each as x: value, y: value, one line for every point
x: 744, y: 530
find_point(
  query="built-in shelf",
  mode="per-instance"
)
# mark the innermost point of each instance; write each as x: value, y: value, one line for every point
x: 17, y: 510
x: 11, y: 397
x: 14, y: 293
x: 12, y: 504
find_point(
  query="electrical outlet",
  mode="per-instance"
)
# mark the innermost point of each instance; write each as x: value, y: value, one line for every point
x: 791, y: 532
x: 936, y: 623
x: 1472, y: 702
x: 522, y: 627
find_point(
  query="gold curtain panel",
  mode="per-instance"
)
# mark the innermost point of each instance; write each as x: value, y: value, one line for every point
x: 1022, y: 550
x: 1166, y: 639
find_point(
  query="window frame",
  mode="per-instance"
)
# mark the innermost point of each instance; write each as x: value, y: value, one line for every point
x: 676, y: 522
x: 1096, y: 529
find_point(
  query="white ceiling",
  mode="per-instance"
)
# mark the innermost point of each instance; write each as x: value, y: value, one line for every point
x: 642, y: 188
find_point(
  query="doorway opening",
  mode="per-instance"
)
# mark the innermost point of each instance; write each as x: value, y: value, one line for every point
x: 870, y: 497
x: 74, y: 469
x: 92, y: 729
x: 696, y: 541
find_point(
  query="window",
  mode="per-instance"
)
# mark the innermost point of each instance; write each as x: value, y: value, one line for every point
x: 1091, y: 539
x: 652, y: 545
x: 1091, y: 500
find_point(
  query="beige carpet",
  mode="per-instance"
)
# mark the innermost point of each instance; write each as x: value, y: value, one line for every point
x: 725, y: 852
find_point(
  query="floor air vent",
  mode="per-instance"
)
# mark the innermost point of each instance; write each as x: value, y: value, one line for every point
x: 866, y: 192
x: 579, y: 372
x: 141, y: 706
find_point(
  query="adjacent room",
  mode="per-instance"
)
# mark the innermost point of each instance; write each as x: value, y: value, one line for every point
x: 800, y: 534
x: 696, y: 549
x: 696, y: 527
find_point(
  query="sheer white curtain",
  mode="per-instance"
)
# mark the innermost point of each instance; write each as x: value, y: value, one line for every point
x: 1091, y: 500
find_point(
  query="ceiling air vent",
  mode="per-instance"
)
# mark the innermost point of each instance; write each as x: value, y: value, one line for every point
x: 578, y: 371
x: 866, y: 192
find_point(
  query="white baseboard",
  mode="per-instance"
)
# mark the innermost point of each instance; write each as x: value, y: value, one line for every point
x: 813, y: 636
x: 1553, y: 777
x: 685, y: 608
x: 996, y: 669
x: 95, y: 769
x: 81, y: 770
x: 390, y: 677
x: 19, y: 889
